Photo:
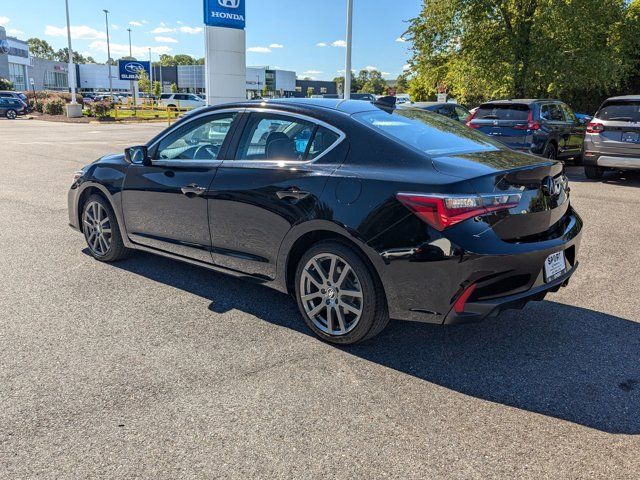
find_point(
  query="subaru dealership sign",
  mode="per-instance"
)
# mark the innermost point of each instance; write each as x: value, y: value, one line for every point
x: 224, y: 13
x: 130, y: 69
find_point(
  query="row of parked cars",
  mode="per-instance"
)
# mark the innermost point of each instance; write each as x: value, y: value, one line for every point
x: 550, y: 128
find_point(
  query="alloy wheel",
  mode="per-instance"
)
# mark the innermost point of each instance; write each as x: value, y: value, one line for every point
x: 11, y: 115
x: 331, y: 294
x: 97, y: 228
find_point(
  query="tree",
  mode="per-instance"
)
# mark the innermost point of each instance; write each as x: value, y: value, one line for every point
x: 5, y: 84
x: 174, y: 88
x: 402, y: 84
x: 182, y: 59
x: 62, y: 55
x: 40, y: 48
x: 167, y: 60
x: 485, y: 49
x: 157, y: 89
x: 144, y: 84
x: 374, y: 84
x: 310, y: 91
x: 265, y: 91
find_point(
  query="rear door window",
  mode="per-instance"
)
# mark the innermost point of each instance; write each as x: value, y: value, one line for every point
x: 621, y: 111
x: 503, y: 111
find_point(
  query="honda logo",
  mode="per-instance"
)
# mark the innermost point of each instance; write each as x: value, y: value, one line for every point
x: 229, y: 3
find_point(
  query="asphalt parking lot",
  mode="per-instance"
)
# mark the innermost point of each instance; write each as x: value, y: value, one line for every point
x: 151, y: 368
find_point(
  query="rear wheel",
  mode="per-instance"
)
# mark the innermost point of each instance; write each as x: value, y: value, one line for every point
x: 593, y: 172
x: 12, y: 114
x: 550, y: 151
x: 339, y: 295
x: 101, y: 230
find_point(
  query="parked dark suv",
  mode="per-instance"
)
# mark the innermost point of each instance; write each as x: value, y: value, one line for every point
x: 11, y: 108
x: 548, y: 128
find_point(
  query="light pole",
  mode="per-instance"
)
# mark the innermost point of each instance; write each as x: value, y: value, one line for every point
x: 73, y: 109
x: 133, y: 92
x: 347, y: 67
x: 106, y: 18
x: 150, y: 72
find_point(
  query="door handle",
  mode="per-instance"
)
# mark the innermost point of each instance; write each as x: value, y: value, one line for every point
x: 292, y: 193
x: 193, y: 189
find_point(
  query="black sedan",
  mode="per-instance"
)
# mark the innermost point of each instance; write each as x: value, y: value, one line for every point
x: 451, y: 110
x: 362, y: 211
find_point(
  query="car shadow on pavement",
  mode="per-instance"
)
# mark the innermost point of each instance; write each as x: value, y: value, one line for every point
x: 566, y: 362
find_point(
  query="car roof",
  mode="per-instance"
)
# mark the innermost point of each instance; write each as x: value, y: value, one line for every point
x: 337, y: 105
x: 625, y: 97
x: 525, y: 101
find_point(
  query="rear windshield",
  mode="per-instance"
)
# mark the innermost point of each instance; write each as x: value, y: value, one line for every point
x: 428, y: 132
x: 622, y: 111
x: 507, y: 111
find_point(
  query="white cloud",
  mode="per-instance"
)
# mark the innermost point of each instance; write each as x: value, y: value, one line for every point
x: 321, y: 44
x: 78, y: 32
x: 276, y: 45
x: 165, y: 39
x: 4, y: 20
x: 259, y: 49
x: 191, y: 30
x: 115, y: 27
x: 400, y: 40
x: 121, y: 49
x: 339, y: 43
x: 178, y: 22
x: 406, y: 67
x: 312, y: 72
x: 385, y: 74
x: 163, y: 29
x: 370, y: 68
x: 15, y: 32
x: 135, y: 23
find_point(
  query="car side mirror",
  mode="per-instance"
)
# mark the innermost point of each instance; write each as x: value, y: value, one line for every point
x: 139, y: 155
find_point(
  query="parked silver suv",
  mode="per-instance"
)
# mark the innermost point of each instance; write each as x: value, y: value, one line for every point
x: 613, y: 137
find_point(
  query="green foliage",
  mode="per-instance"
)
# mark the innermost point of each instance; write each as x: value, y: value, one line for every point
x: 577, y: 50
x: 402, y: 84
x: 174, y: 88
x: 62, y: 55
x: 372, y: 82
x: 5, y: 84
x: 100, y: 109
x: 54, y: 106
x: 180, y: 59
x: 144, y: 84
x: 157, y: 89
x: 310, y: 91
x: 40, y: 48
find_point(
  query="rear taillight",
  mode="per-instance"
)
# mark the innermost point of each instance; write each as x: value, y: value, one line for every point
x: 462, y: 300
x: 443, y: 211
x: 471, y: 116
x: 472, y: 125
x: 595, y: 127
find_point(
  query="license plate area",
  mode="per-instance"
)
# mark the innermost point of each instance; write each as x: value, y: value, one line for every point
x: 554, y: 266
x: 630, y: 137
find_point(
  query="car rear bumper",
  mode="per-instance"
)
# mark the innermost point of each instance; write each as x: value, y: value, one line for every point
x: 624, y: 162
x: 478, y: 311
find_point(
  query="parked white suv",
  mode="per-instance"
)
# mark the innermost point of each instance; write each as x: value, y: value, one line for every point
x: 181, y: 100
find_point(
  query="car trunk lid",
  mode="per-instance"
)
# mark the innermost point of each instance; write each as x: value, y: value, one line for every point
x: 507, y: 122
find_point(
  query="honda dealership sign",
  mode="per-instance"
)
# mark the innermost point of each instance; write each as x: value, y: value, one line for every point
x: 130, y: 69
x: 224, y: 13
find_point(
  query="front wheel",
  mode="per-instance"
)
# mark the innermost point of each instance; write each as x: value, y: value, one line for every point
x: 339, y: 295
x: 550, y: 151
x: 101, y: 231
x: 12, y: 114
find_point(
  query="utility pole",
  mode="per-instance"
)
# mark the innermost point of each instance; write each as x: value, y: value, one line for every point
x: 347, y: 68
x: 106, y: 17
x: 73, y: 109
x: 150, y: 71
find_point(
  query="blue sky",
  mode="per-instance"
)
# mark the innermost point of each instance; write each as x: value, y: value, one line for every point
x: 301, y: 35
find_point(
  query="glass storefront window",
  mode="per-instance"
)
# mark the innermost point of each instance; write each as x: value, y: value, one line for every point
x: 17, y: 76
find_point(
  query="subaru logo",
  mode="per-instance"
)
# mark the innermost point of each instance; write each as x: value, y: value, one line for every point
x: 133, y: 67
x: 4, y: 47
x: 229, y: 3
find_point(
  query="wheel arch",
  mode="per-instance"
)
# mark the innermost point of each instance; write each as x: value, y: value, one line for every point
x: 91, y: 188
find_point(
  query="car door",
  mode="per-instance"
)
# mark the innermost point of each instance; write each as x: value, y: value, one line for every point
x: 274, y: 180
x: 164, y: 201
x: 576, y: 128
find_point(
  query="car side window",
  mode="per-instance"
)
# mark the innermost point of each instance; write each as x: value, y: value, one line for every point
x: 461, y: 114
x: 322, y: 141
x: 568, y: 114
x: 275, y: 137
x: 555, y: 114
x: 200, y: 139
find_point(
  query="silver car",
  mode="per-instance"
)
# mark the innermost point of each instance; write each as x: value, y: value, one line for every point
x: 613, y: 137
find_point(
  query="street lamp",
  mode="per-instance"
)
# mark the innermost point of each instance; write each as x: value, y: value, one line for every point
x: 133, y: 92
x: 106, y: 18
x: 73, y: 109
x: 347, y: 67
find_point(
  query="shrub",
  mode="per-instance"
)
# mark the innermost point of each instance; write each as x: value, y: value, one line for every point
x: 43, y: 95
x: 54, y: 106
x: 5, y: 84
x: 100, y: 109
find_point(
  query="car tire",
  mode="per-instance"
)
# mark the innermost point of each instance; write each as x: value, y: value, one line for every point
x: 101, y: 230
x: 333, y: 315
x: 550, y: 151
x: 11, y: 114
x: 593, y: 172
